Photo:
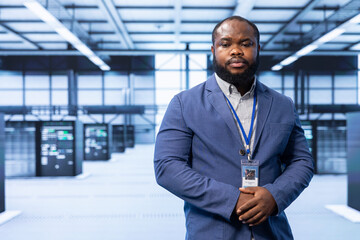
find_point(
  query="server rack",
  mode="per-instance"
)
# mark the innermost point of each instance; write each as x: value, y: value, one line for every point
x: 20, y: 155
x: 98, y: 141
x: 118, y: 140
x: 59, y: 149
x: 130, y: 136
x: 353, y: 159
x: 2, y: 163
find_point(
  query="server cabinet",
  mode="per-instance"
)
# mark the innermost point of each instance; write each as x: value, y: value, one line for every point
x: 98, y: 139
x: 353, y: 160
x: 2, y: 163
x: 59, y: 148
x: 130, y: 136
x: 20, y: 149
x: 118, y: 140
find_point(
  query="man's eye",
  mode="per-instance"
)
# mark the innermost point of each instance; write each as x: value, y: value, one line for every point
x: 247, y: 44
x: 224, y: 44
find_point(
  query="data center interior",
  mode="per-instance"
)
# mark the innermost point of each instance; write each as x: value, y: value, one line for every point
x: 84, y: 86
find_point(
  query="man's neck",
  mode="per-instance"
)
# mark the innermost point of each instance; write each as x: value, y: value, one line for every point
x: 244, y: 87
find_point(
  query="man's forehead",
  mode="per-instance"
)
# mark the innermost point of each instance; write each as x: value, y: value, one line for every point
x: 234, y: 26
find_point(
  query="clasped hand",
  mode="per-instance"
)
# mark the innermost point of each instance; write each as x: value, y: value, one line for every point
x: 255, y: 205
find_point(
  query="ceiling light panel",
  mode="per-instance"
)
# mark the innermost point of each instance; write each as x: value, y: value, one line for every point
x: 200, y: 46
x: 152, y: 37
x: 332, y: 3
x: 347, y: 38
x: 195, y: 38
x: 356, y: 47
x: 269, y: 27
x: 54, y: 46
x: 104, y: 37
x: 208, y: 3
x: 36, y: 37
x: 197, y: 27
x: 29, y: 27
x: 159, y: 46
x: 144, y: 3
x: 78, y: 2
x: 281, y: 3
x: 272, y: 15
x: 146, y: 14
x: 205, y: 14
x: 15, y: 14
x: 150, y: 27
x: 16, y: 46
x: 89, y: 14
x: 317, y: 15
x: 333, y: 46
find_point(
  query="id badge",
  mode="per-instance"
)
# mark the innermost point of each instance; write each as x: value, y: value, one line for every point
x: 250, y: 173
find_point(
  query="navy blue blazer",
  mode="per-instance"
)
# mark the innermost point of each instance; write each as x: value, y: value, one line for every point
x: 197, y: 158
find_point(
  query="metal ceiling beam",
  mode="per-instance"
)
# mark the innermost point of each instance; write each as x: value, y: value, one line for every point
x: 345, y: 13
x: 324, y: 32
x: 68, y: 20
x: 160, y: 21
x: 244, y: 7
x: 112, y: 14
x: 139, y: 52
x: 328, y: 8
x: 352, y: 45
x: 177, y: 20
x: 290, y: 24
x: 25, y: 39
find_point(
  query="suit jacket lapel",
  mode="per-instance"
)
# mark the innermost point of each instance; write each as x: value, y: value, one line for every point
x: 264, y: 104
x: 217, y: 100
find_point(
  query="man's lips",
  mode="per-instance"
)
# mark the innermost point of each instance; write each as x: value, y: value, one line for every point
x: 237, y: 63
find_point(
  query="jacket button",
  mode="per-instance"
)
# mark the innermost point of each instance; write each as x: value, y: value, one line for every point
x: 242, y: 152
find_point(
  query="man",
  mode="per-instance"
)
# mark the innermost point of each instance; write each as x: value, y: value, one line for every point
x: 232, y: 124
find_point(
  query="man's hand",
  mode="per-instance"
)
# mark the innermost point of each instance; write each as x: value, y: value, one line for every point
x: 243, y: 198
x: 257, y: 209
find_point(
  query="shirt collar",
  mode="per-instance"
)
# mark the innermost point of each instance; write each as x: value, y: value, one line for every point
x: 229, y: 89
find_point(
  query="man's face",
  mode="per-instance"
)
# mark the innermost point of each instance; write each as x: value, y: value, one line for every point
x: 235, y: 52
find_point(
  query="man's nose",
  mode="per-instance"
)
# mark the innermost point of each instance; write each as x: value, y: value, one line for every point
x: 236, y: 50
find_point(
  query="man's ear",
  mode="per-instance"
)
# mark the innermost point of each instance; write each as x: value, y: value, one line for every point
x: 212, y: 49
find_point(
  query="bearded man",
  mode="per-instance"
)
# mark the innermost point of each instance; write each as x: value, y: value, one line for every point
x: 232, y: 148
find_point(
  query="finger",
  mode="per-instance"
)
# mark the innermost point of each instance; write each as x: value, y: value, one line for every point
x: 250, y: 215
x: 258, y: 222
x: 247, y: 206
x: 255, y: 217
x: 246, y: 190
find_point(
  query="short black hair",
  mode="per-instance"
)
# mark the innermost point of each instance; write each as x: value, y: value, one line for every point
x: 240, y: 19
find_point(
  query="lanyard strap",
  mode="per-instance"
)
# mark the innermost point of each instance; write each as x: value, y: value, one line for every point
x: 247, y: 138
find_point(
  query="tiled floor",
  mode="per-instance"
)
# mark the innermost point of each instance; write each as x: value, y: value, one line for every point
x: 121, y: 200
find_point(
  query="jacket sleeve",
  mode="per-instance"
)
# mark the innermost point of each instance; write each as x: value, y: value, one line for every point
x: 172, y: 163
x: 298, y: 170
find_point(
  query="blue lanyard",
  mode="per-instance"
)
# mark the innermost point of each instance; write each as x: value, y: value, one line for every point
x: 247, y: 138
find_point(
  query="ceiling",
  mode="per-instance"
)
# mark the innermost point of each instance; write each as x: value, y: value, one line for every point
x: 121, y: 27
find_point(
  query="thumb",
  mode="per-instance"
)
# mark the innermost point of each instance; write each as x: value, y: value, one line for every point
x: 247, y: 190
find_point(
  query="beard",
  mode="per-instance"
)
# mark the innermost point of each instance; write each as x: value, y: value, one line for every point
x: 242, y: 80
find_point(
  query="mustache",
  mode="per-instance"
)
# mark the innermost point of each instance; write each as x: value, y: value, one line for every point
x: 237, y: 60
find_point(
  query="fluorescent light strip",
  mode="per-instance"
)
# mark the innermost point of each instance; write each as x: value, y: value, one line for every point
x: 306, y: 50
x: 331, y: 35
x: 48, y: 18
x: 277, y: 67
x: 324, y: 39
x: 288, y: 60
x: 355, y: 20
x: 358, y: 81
